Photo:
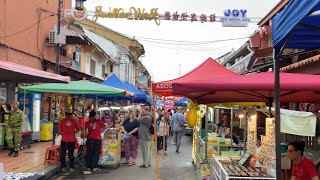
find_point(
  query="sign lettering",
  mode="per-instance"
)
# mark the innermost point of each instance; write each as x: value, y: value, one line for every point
x: 134, y: 13
x: 235, y: 18
x: 164, y: 86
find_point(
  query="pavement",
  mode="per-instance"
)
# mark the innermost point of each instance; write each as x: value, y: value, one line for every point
x: 30, y: 160
x: 173, y: 167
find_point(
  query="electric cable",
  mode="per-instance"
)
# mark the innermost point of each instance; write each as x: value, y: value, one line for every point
x: 25, y: 29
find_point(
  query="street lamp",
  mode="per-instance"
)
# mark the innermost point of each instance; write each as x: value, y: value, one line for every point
x: 79, y: 4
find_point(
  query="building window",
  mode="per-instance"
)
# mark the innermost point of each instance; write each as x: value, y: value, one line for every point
x: 63, y: 52
x: 111, y: 68
x: 77, y: 58
x: 92, y: 67
x: 103, y: 70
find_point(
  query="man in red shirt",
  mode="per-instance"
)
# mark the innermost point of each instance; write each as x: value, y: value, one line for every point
x: 93, y: 143
x: 68, y: 127
x: 303, y: 168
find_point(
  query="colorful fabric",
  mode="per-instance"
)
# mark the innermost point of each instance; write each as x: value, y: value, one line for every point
x: 131, y: 147
x: 68, y: 128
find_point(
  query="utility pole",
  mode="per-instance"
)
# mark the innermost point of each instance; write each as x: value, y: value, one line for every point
x: 57, y: 71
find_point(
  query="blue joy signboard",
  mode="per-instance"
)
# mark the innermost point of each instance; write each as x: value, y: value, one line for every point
x: 235, y: 18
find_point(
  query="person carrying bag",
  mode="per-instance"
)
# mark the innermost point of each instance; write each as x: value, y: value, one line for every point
x: 93, y: 142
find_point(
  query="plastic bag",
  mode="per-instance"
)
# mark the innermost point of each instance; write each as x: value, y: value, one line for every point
x: 57, y: 141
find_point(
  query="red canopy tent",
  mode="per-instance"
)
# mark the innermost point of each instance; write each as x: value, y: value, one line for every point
x: 208, y: 70
x: 252, y: 87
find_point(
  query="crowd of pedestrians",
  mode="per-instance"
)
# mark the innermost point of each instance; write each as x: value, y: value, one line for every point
x: 137, y: 129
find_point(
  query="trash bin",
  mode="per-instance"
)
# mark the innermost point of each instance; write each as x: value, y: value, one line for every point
x: 46, y: 130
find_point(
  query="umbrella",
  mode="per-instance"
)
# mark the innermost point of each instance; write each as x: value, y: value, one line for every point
x: 257, y: 87
x: 75, y: 87
x: 181, y: 102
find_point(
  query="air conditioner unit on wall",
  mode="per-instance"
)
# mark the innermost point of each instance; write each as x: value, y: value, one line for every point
x: 54, y: 38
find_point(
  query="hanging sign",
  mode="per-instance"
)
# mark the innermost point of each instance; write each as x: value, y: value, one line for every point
x: 231, y: 18
x: 175, y: 16
x: 235, y: 18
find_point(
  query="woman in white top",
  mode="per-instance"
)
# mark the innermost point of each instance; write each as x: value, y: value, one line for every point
x: 162, y: 130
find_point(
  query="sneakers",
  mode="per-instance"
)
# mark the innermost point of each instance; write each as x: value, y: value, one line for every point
x: 11, y: 152
x: 63, y: 169
x: 73, y: 169
x: 16, y: 154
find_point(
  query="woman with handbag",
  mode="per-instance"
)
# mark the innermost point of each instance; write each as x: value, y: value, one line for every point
x: 93, y: 143
x: 131, y: 127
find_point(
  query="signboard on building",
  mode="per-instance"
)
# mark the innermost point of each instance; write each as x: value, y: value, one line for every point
x: 235, y: 18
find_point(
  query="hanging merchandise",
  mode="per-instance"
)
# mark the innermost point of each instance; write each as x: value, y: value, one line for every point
x: 192, y: 117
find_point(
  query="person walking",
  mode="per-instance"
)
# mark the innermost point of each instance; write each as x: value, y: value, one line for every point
x: 303, y: 168
x: 93, y: 142
x: 179, y: 122
x: 131, y: 127
x: 145, y: 136
x: 68, y: 127
x: 13, y: 129
x: 161, y: 126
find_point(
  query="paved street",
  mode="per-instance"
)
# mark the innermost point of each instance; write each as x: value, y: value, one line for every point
x: 174, y: 167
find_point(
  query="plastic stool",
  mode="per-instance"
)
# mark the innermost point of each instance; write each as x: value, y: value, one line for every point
x: 52, y: 155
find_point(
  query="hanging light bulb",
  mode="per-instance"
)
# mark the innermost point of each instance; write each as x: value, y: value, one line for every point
x: 79, y: 4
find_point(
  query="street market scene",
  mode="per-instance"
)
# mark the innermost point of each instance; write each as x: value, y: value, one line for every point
x: 160, y: 90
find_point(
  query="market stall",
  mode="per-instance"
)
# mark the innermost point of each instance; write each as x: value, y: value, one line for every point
x: 82, y: 87
x: 294, y: 87
x: 295, y: 27
x: 208, y: 70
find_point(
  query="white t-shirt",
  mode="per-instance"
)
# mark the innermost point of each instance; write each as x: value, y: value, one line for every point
x: 161, y: 127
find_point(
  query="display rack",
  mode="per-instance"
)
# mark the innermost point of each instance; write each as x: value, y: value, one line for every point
x: 252, y: 135
x: 218, y: 171
x: 268, y: 148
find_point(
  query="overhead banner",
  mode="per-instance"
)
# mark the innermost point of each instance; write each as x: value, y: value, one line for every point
x: 231, y: 18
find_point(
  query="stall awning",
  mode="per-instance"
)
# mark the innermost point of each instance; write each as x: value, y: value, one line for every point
x: 297, y: 26
x: 208, y: 70
x: 12, y: 72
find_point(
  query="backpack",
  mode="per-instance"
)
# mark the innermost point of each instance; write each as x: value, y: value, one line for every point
x: 151, y: 129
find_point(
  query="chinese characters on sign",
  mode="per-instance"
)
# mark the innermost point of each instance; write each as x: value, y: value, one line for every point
x: 175, y: 16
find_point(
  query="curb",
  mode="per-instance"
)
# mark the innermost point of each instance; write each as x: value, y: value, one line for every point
x: 50, y: 171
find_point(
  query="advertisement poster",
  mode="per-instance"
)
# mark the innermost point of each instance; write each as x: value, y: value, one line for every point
x: 111, y: 152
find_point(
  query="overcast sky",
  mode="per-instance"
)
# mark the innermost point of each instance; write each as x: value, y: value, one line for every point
x: 161, y: 59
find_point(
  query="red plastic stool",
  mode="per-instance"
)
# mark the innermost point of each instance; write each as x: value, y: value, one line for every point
x: 52, y: 155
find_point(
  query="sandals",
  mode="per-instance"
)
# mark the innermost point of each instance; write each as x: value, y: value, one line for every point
x: 143, y: 166
x: 132, y: 163
x: 96, y: 169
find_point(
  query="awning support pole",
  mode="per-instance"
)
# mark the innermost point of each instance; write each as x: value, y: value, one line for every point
x: 155, y: 135
x: 277, y: 114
